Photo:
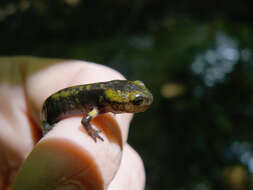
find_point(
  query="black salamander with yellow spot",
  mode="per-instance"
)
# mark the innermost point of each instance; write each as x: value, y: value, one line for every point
x: 116, y: 96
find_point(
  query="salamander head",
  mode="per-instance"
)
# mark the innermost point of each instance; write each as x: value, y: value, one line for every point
x: 127, y: 96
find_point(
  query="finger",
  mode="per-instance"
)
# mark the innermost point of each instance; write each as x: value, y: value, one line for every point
x: 89, y: 164
x: 131, y: 174
x: 16, y: 139
x: 17, y: 131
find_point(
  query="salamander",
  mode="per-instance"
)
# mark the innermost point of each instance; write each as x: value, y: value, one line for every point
x: 116, y: 96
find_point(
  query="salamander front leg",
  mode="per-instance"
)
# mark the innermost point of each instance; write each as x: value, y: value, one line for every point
x: 90, y: 130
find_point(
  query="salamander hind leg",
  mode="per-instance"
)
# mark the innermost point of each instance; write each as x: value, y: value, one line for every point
x: 90, y: 130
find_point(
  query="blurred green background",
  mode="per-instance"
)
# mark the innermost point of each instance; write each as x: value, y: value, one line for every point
x: 195, y: 56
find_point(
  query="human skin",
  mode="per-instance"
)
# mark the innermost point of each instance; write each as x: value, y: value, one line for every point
x: 67, y: 157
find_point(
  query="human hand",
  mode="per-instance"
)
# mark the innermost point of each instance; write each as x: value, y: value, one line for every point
x: 66, y: 158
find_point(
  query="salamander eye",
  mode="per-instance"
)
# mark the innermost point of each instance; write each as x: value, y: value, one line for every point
x: 138, y: 100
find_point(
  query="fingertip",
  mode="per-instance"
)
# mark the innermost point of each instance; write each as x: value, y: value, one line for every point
x: 131, y: 173
x: 67, y: 156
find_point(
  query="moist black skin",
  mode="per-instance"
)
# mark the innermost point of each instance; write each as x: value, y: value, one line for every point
x: 117, y: 96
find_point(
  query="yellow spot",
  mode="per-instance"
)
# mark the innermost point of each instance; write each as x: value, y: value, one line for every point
x: 93, y: 113
x: 65, y: 93
x: 88, y: 87
x: 102, y: 85
x: 114, y: 96
x: 56, y: 96
x: 119, y: 96
x: 81, y: 87
x: 139, y: 83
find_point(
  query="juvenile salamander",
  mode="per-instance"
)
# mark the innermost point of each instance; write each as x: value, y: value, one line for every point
x: 116, y: 96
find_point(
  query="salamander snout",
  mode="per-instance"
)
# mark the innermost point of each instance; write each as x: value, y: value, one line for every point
x: 142, y: 101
